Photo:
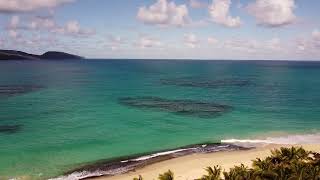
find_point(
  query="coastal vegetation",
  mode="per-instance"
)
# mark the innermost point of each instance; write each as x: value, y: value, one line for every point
x: 293, y: 163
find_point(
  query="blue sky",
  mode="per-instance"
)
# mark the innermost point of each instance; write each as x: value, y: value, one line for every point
x: 170, y: 29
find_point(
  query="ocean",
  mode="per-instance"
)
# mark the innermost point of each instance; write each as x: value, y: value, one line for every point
x: 58, y: 116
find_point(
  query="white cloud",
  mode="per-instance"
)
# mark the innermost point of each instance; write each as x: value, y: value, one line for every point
x: 73, y: 28
x: 301, y: 45
x: 219, y: 13
x: 244, y: 45
x: 13, y: 34
x: 273, y: 44
x: 197, y: 3
x: 316, y: 35
x: 12, y: 6
x: 212, y: 40
x: 114, y: 48
x: 48, y: 24
x: 164, y: 13
x: 33, y: 41
x: 311, y: 43
x: 42, y: 23
x: 252, y: 45
x: 191, y: 40
x: 115, y: 42
x: 148, y: 42
x: 14, y: 22
x: 116, y: 39
x: 273, y: 13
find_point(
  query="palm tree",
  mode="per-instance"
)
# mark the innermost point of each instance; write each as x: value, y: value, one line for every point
x: 213, y: 174
x: 261, y: 164
x: 166, y: 176
x: 283, y: 164
x: 313, y: 172
x: 285, y: 155
x: 241, y: 172
x: 264, y: 174
x: 315, y: 160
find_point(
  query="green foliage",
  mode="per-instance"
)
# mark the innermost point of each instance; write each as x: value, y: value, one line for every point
x: 166, y: 176
x: 213, y: 174
x: 283, y: 164
x: 238, y: 173
x: 288, y: 163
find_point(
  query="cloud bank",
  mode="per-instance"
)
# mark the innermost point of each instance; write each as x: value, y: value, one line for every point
x: 164, y: 13
x: 273, y: 13
x: 219, y: 12
x: 15, y: 6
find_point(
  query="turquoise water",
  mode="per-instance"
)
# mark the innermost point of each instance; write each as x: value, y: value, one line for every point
x: 63, y: 114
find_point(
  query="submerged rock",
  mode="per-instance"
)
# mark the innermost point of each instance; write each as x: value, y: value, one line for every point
x: 206, y: 83
x: 12, y: 90
x: 10, y: 129
x: 180, y: 107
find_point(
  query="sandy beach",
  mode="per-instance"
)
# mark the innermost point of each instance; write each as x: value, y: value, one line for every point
x: 192, y: 166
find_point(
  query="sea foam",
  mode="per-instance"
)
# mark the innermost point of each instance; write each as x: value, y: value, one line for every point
x: 288, y: 139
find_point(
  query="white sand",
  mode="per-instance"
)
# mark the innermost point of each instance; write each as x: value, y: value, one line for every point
x: 192, y: 166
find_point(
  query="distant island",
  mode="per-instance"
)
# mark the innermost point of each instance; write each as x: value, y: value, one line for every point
x: 19, y: 55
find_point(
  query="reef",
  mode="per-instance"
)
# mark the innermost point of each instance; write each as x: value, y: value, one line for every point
x: 10, y: 129
x: 180, y: 107
x: 206, y: 83
x: 13, y: 90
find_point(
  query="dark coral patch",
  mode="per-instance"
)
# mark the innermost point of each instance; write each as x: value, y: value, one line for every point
x: 180, y: 107
x: 10, y: 129
x: 13, y: 90
x: 206, y: 83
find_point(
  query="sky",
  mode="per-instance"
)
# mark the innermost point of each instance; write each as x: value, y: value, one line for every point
x: 164, y: 29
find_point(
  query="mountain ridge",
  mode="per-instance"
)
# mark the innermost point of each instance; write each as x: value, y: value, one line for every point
x: 50, y: 55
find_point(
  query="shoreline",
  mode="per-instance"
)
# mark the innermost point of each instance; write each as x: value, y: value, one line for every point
x: 192, y: 166
x: 127, y: 164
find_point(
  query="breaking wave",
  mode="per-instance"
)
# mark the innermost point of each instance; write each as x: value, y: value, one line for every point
x: 288, y: 139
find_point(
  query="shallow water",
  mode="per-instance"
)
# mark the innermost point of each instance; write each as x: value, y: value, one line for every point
x: 68, y: 113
